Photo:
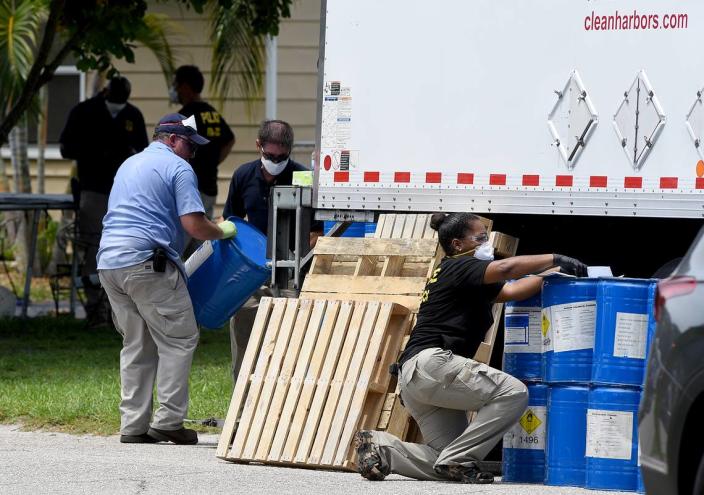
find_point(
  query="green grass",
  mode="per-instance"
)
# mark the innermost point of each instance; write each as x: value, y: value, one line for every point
x: 57, y: 375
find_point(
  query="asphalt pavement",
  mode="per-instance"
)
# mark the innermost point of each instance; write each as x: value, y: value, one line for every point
x: 57, y: 463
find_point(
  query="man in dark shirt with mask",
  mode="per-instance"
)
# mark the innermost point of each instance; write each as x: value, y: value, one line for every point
x: 249, y: 197
x: 100, y: 134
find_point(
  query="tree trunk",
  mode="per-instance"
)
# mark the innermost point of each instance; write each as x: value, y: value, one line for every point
x: 42, y: 130
x: 4, y: 182
x: 20, y: 163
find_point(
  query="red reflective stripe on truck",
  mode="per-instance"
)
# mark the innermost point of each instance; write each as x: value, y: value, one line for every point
x: 668, y: 182
x: 531, y: 180
x: 633, y: 182
x: 497, y: 180
x: 563, y: 181
x: 464, y: 178
x: 371, y: 176
x: 402, y: 177
x: 598, y: 181
x: 342, y: 177
x: 699, y: 183
x: 433, y: 177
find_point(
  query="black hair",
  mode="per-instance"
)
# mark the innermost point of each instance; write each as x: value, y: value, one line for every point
x: 119, y: 89
x: 276, y: 132
x: 191, y: 75
x: 451, y: 226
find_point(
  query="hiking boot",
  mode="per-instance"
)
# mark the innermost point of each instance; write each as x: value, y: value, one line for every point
x: 143, y: 438
x: 465, y: 474
x: 368, y: 459
x: 182, y: 436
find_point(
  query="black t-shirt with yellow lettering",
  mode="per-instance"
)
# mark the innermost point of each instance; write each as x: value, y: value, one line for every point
x: 455, y: 311
x: 212, y: 126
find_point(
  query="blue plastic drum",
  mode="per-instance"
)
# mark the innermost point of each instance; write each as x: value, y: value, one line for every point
x: 524, y: 444
x: 523, y: 342
x: 567, y: 429
x: 625, y: 323
x: 612, y: 439
x: 354, y: 229
x: 224, y: 274
x: 568, y: 324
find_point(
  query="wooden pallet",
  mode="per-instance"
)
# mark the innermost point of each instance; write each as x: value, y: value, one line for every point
x: 359, y: 269
x: 314, y: 373
x: 410, y: 226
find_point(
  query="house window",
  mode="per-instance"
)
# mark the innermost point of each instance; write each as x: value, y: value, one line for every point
x: 65, y: 90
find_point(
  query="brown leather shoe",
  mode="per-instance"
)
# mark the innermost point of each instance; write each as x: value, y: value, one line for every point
x: 182, y: 436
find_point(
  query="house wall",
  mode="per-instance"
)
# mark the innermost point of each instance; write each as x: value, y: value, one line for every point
x: 297, y: 90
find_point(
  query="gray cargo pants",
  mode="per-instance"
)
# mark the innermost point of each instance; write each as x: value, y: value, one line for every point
x: 153, y: 313
x: 438, y: 389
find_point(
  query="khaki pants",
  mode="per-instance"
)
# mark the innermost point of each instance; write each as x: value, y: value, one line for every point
x: 153, y: 313
x: 439, y: 389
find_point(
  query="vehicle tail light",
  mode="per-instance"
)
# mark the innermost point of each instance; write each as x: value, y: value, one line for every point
x: 672, y: 287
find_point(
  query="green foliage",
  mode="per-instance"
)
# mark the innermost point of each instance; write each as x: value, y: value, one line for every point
x: 46, y: 238
x: 103, y: 30
x: 19, y: 25
x: 55, y: 374
x: 236, y: 49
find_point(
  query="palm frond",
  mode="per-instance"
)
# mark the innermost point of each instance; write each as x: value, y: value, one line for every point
x: 238, y: 53
x: 20, y: 21
x: 158, y: 29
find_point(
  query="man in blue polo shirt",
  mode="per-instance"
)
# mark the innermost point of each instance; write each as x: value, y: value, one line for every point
x: 154, y: 201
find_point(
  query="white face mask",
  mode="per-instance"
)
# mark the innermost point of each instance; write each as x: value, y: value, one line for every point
x: 274, y: 168
x: 485, y: 252
x: 115, y: 108
x: 173, y: 95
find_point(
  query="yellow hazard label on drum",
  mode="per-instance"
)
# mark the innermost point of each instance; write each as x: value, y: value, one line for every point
x: 545, y: 325
x: 530, y: 421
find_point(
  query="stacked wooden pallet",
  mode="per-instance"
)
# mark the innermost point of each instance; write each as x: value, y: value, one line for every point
x: 316, y: 368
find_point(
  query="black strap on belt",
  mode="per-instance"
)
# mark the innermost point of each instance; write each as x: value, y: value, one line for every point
x: 395, y: 369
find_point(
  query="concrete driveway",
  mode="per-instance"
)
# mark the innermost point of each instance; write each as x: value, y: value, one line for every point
x: 43, y: 462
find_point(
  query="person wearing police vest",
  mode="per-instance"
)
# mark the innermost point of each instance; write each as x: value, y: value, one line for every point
x: 439, y: 381
x: 186, y: 88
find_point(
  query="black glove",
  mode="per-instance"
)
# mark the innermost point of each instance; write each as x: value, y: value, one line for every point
x: 570, y: 266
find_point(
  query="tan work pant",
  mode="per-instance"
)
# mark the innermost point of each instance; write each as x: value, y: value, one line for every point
x: 153, y: 313
x: 439, y: 389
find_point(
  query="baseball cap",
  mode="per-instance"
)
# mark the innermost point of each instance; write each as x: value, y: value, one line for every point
x: 175, y: 123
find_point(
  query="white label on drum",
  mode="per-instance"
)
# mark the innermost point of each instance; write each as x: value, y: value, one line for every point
x: 630, y: 335
x: 572, y: 326
x: 529, y: 432
x: 521, y: 339
x: 609, y: 434
x: 199, y: 257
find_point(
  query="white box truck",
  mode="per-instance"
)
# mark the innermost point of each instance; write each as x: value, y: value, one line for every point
x: 589, y: 112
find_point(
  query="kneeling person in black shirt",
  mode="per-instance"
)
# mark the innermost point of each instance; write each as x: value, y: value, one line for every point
x: 439, y: 382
